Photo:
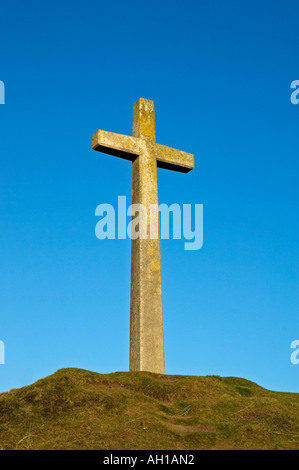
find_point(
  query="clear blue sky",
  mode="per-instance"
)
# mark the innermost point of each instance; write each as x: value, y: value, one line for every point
x: 220, y: 74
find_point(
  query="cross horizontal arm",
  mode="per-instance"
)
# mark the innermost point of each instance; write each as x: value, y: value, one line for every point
x: 123, y: 146
x: 173, y: 159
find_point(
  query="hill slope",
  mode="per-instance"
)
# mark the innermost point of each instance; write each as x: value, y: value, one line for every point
x: 78, y: 409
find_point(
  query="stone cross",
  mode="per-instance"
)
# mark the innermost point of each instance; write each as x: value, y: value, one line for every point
x: 146, y: 319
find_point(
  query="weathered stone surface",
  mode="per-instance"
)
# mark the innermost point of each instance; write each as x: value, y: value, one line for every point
x: 146, y: 328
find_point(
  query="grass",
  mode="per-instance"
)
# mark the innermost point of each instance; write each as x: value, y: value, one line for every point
x: 77, y: 409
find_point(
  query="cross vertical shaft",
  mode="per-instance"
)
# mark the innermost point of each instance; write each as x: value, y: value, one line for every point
x: 146, y: 316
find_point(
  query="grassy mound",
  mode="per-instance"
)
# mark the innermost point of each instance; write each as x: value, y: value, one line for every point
x: 78, y: 409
